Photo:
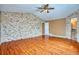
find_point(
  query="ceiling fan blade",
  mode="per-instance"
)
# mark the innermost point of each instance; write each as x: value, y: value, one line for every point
x: 50, y: 8
x: 39, y: 7
x: 45, y: 8
x: 41, y: 11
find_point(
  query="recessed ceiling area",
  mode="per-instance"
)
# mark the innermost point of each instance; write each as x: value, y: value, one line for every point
x: 60, y: 11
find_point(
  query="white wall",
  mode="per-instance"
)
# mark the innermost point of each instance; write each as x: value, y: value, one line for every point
x: 68, y: 28
x: 46, y: 28
x: 78, y: 28
x: 0, y: 27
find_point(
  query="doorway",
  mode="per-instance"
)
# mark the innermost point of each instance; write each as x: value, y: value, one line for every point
x: 43, y: 28
x: 74, y: 28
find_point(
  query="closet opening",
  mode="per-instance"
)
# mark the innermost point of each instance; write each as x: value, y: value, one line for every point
x: 74, y: 28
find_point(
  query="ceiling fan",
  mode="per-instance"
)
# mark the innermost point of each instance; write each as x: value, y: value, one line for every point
x: 45, y: 8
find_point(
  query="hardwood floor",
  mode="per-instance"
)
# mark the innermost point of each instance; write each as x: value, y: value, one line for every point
x: 42, y: 45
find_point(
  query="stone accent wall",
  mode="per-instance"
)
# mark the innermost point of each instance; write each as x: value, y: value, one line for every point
x: 16, y: 25
x: 78, y: 27
x: 68, y: 24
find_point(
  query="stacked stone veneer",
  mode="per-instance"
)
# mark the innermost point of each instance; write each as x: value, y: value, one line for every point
x: 15, y: 25
x: 68, y: 24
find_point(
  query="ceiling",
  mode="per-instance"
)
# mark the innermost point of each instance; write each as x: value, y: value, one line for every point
x: 60, y: 11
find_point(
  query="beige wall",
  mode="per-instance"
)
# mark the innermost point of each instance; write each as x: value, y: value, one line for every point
x: 57, y: 27
x: 15, y: 25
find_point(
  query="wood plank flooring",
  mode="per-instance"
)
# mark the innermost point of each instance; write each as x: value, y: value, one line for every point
x: 42, y: 45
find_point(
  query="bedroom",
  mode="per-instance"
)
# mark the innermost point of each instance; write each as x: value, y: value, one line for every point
x: 33, y: 29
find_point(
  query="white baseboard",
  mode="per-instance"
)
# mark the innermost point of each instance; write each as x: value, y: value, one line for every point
x: 63, y: 37
x: 19, y: 38
x: 57, y: 36
x: 77, y: 38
